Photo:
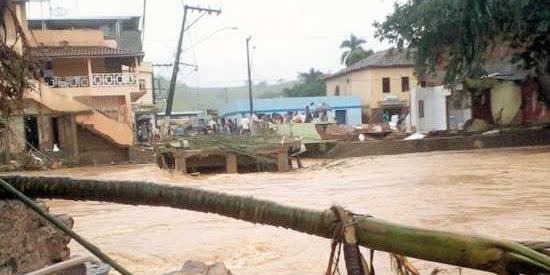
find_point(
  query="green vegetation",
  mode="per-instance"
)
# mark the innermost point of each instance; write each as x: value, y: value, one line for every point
x: 354, y: 52
x: 461, y: 35
x: 16, y: 71
x: 195, y: 99
x: 310, y: 84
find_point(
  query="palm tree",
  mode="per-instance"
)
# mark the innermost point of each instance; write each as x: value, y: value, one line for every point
x: 354, y: 52
x: 498, y: 256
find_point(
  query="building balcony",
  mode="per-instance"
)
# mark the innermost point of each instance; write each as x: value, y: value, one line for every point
x: 100, y: 84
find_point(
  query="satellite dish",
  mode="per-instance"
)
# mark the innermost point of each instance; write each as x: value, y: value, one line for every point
x: 58, y: 12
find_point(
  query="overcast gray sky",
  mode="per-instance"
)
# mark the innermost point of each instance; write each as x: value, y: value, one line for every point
x: 289, y: 36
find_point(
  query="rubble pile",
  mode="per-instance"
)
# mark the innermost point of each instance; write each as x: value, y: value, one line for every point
x: 200, y: 268
x: 28, y: 243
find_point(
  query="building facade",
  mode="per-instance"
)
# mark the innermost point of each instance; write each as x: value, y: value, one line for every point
x: 82, y: 106
x: 382, y: 81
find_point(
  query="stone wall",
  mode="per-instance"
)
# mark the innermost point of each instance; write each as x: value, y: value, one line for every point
x: 27, y: 242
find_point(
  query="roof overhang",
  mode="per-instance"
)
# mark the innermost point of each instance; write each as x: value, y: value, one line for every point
x: 370, y: 67
x: 82, y: 52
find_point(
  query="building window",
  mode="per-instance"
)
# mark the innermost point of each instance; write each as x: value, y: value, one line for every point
x: 142, y: 86
x: 386, y: 85
x: 405, y: 84
x: 337, y: 91
x: 421, y: 108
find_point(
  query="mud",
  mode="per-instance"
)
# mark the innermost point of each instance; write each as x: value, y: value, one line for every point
x: 500, y: 193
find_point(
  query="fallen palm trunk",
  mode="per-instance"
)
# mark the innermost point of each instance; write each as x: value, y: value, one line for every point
x: 498, y: 256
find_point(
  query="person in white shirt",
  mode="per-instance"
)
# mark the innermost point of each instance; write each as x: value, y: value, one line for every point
x: 245, y: 126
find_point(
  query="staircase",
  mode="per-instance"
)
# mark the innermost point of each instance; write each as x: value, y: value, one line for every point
x: 117, y: 132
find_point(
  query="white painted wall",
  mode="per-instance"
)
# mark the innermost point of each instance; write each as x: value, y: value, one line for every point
x: 435, y: 109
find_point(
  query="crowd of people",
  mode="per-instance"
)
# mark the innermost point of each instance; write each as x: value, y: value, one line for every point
x: 245, y: 124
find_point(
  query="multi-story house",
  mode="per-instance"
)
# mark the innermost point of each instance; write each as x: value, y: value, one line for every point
x: 91, y: 78
x: 382, y: 80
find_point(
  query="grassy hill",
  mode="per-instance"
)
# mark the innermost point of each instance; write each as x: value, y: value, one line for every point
x: 195, y: 99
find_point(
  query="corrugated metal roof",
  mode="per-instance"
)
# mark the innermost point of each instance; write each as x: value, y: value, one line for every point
x: 382, y: 59
x: 81, y: 51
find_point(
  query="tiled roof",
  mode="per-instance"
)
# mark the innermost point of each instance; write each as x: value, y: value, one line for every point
x: 81, y: 51
x: 382, y: 59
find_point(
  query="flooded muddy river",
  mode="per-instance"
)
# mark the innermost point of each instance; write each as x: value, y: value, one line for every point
x: 500, y: 193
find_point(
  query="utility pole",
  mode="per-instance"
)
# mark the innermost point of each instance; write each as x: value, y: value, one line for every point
x: 250, y: 98
x: 143, y: 23
x: 175, y: 69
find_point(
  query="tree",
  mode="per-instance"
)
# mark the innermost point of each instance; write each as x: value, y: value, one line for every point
x: 498, y: 256
x: 354, y: 52
x: 461, y: 35
x: 16, y: 71
x: 310, y: 84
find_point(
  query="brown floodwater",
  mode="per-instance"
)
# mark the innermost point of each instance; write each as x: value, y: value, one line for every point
x: 501, y: 193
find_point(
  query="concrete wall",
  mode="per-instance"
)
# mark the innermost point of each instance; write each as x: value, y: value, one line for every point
x: 435, y: 109
x: 515, y: 138
x: 73, y: 37
x: 14, y: 141
x: 146, y: 74
x: 95, y: 150
x: 77, y: 66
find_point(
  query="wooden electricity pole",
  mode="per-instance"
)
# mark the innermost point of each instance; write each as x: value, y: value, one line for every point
x: 175, y: 69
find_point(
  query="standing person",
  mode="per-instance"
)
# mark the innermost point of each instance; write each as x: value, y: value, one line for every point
x: 228, y: 126
x: 254, y: 123
x: 212, y: 126
x: 234, y: 125
x: 309, y: 116
x: 221, y: 125
x: 245, y: 126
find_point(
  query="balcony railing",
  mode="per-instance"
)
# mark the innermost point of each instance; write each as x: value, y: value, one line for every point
x: 114, y: 79
x: 98, y: 80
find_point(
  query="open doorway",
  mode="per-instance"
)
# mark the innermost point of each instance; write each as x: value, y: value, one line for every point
x: 55, y: 132
x: 31, y: 132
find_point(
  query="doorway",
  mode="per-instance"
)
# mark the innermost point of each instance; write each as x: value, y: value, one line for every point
x: 55, y: 131
x: 31, y: 133
x: 341, y: 116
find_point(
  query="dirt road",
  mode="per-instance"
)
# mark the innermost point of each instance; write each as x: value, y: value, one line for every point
x: 501, y: 193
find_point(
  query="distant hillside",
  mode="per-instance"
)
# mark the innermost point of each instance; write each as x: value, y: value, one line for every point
x: 194, y: 99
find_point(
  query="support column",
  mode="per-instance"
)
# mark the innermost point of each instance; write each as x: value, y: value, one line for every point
x: 231, y: 163
x: 282, y: 161
x: 137, y: 69
x: 74, y: 138
x: 89, y: 64
x: 181, y: 163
